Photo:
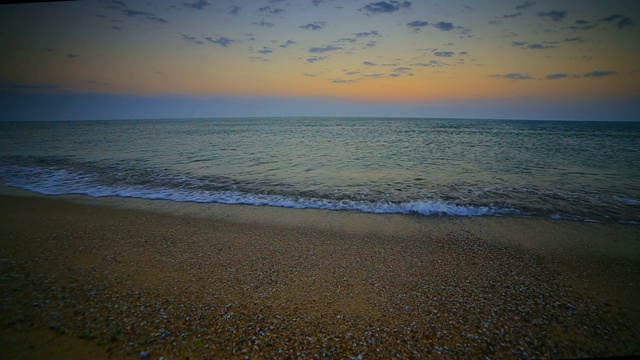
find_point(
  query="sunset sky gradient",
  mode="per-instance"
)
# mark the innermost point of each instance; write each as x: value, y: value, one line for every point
x: 576, y: 60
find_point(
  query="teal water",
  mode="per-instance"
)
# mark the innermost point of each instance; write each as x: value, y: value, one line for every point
x: 585, y: 171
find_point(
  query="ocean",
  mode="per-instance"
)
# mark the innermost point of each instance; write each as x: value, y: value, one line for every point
x: 584, y: 171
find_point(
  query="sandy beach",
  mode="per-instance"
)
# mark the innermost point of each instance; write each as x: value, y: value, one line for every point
x: 126, y: 278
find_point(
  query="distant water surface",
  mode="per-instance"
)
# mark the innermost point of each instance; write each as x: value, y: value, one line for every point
x: 586, y: 171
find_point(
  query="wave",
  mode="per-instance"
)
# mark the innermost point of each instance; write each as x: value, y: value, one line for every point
x: 55, y: 181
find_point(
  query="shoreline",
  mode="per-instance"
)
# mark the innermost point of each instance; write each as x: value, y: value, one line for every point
x: 180, y: 279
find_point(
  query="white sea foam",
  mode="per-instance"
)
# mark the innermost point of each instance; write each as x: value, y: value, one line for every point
x: 61, y: 182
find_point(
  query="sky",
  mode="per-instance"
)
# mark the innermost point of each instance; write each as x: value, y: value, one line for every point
x: 124, y: 59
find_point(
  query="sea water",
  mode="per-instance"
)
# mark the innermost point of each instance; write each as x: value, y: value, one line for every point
x: 587, y: 171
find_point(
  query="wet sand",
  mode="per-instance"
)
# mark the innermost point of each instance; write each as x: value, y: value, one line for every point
x: 117, y: 277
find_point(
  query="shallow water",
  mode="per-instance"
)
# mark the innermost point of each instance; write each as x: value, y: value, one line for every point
x: 574, y: 170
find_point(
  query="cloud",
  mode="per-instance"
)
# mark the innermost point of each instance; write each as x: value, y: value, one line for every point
x: 539, y: 46
x: 463, y: 53
x: 512, y: 76
x: 509, y: 16
x: 141, y: 14
x: 402, y: 69
x: 372, y: 33
x: 317, y: 2
x: 271, y: 10
x: 385, y: 6
x: 234, y: 10
x: 371, y: 43
x: 557, y: 76
x: 600, y: 73
x: 584, y: 25
x: 14, y: 86
x: 553, y: 15
x: 155, y: 18
x: 72, y: 56
x: 444, y: 53
x: 263, y: 24
x: 525, y: 5
x: 265, y: 50
x: 352, y: 72
x: 343, y: 81
x: 316, y: 25
x: 432, y: 63
x: 134, y: 13
x: 622, y: 21
x: 196, y: 5
x: 417, y: 24
x: 611, y: 18
x: 287, y: 44
x: 324, y: 49
x: 369, y: 63
x: 222, y: 41
x: 116, y: 28
x: 444, y: 26
x: 116, y: 3
x: 316, y: 58
x: 191, y: 39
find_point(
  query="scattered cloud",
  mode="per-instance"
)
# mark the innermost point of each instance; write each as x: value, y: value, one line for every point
x: 352, y: 72
x: 316, y: 25
x: 196, y: 5
x: 14, y: 86
x: 444, y: 53
x: 234, y: 10
x: 142, y: 14
x: 191, y: 39
x: 371, y: 43
x: 317, y: 2
x: 263, y: 24
x: 536, y: 46
x: 316, y: 58
x: 557, y: 76
x: 554, y: 15
x: 509, y: 16
x: 583, y: 25
x: 620, y: 20
x: 287, y: 44
x: 369, y: 63
x: 385, y: 6
x: 343, y: 81
x: 116, y: 28
x: 600, y: 73
x: 463, y: 53
x: 539, y: 46
x: 324, y: 49
x: 444, y: 26
x: 417, y: 24
x: 432, y: 63
x: 265, y: 50
x: 134, y: 13
x: 222, y: 41
x: 72, y: 56
x: 402, y: 69
x: 525, y: 5
x: 155, y: 18
x: 512, y: 76
x: 115, y: 3
x: 271, y: 10
x: 349, y: 40
x: 372, y: 33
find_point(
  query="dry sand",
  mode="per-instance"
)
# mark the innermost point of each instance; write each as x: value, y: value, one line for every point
x: 114, y: 278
